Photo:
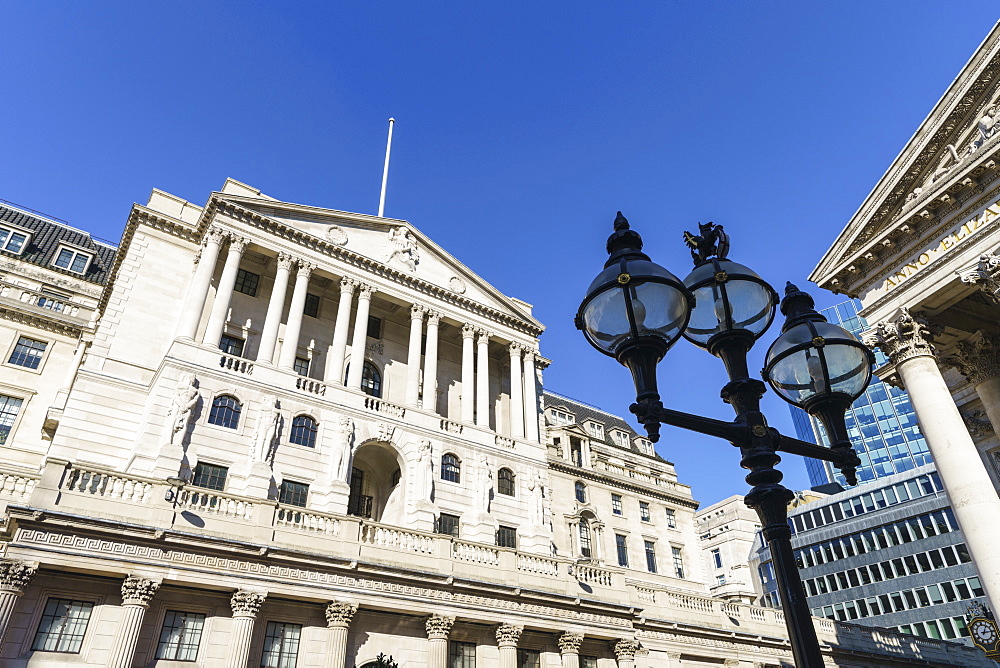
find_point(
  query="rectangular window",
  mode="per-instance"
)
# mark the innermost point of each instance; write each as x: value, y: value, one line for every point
x: 576, y: 451
x: 210, y: 476
x: 12, y: 241
x: 27, y: 353
x: 301, y: 366
x: 246, y: 282
x: 622, y: 550
x: 231, y: 345
x: 717, y: 558
x: 9, y: 407
x: 180, y: 636
x: 448, y: 524
x: 720, y: 580
x: 374, y: 327
x: 293, y: 493
x: 281, y: 645
x: 461, y: 654
x: 312, y: 306
x: 588, y: 662
x: 644, y: 511
x: 71, y: 260
x: 678, y: 562
x: 671, y: 519
x: 529, y: 658
x: 507, y: 536
x: 650, y: 555
x: 616, y: 503
x: 62, y: 626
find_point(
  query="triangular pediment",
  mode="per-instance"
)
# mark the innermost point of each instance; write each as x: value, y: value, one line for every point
x: 395, y: 244
x: 944, y: 156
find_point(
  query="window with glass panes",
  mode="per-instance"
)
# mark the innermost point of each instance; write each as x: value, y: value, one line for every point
x: 293, y: 493
x: 71, y: 260
x: 210, y: 476
x: 505, y: 482
x: 650, y: 549
x: 301, y: 366
x: 448, y: 524
x: 9, y: 408
x: 374, y: 327
x: 281, y: 645
x: 644, y: 511
x: 506, y: 536
x: 311, y: 307
x: 180, y: 636
x: 671, y: 518
x: 27, y: 352
x: 12, y: 240
x: 231, y: 345
x: 581, y: 492
x: 529, y: 658
x: 451, y: 468
x: 622, y: 550
x: 678, y: 562
x: 585, y: 538
x: 225, y: 412
x: 62, y: 626
x: 303, y: 431
x: 461, y: 654
x: 246, y: 282
x: 588, y: 662
x: 616, y: 504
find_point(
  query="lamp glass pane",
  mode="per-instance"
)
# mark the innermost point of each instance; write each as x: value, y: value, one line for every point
x: 752, y: 305
x: 799, y: 376
x: 605, y: 320
x: 750, y: 302
x: 792, y: 379
x: 659, y: 310
x: 849, y: 368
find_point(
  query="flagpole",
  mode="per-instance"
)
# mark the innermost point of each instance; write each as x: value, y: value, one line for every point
x: 385, y: 169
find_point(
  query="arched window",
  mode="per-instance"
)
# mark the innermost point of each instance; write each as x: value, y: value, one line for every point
x: 225, y: 411
x: 303, y: 431
x: 451, y: 468
x: 505, y: 482
x: 581, y: 492
x: 371, y: 379
x: 584, y: 537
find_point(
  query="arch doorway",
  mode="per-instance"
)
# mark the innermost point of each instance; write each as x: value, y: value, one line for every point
x: 377, y: 491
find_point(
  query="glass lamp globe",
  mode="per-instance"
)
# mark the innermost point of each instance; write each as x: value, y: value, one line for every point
x: 729, y: 297
x: 814, y: 362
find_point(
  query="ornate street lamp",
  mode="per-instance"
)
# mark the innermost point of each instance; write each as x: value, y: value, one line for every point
x: 636, y: 310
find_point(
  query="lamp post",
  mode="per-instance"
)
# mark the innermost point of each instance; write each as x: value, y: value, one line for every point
x: 635, y: 310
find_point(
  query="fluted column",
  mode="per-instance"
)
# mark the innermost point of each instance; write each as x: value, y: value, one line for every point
x: 338, y: 619
x: 907, y: 343
x: 217, y: 319
x: 246, y: 605
x: 625, y: 650
x: 290, y: 345
x: 431, y: 362
x: 360, y: 335
x: 516, y: 393
x: 194, y: 302
x: 483, y: 379
x: 413, y: 354
x: 14, y: 577
x: 569, y: 648
x: 335, y: 363
x: 438, y: 627
x: 269, y: 335
x: 468, y: 374
x: 508, y: 635
x: 530, y: 398
x: 979, y: 361
x: 136, y: 594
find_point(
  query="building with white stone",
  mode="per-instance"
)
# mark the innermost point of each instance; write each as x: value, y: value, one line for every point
x: 726, y: 534
x: 301, y: 437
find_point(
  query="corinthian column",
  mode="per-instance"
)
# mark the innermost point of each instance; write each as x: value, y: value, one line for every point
x: 360, y: 336
x: 508, y: 636
x: 625, y: 650
x: 483, y: 379
x: 290, y: 345
x: 338, y: 619
x: 431, y: 362
x: 569, y: 648
x: 516, y: 393
x: 530, y: 398
x: 907, y: 343
x: 438, y: 627
x: 269, y: 335
x: 413, y: 354
x: 136, y: 594
x: 246, y: 605
x: 217, y: 319
x: 14, y: 577
x: 468, y: 374
x: 197, y: 293
x: 979, y: 361
x: 335, y: 365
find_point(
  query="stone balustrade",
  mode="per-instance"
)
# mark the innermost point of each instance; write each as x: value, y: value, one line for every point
x: 58, y: 307
x: 110, y: 485
x: 17, y: 487
x: 292, y: 517
x: 476, y: 553
x: 236, y: 364
x: 215, y: 503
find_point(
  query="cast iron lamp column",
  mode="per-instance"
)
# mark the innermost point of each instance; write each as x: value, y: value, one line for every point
x: 636, y: 310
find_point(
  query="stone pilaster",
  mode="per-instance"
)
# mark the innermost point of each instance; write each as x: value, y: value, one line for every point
x: 483, y: 379
x: 516, y: 392
x: 508, y: 635
x: 530, y: 398
x: 245, y: 605
x: 468, y: 374
x: 907, y: 341
x: 220, y: 309
x: 14, y: 577
x: 417, y: 313
x: 625, y: 650
x: 136, y: 594
x: 438, y: 628
x: 569, y: 648
x: 986, y: 276
x: 338, y: 618
x: 978, y: 359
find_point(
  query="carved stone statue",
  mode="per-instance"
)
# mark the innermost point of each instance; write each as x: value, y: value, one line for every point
x: 711, y: 241
x: 181, y: 406
x: 536, y: 503
x: 403, y: 247
x: 988, y: 123
x: 343, y: 442
x: 423, y: 478
x: 484, y: 485
x: 268, y: 428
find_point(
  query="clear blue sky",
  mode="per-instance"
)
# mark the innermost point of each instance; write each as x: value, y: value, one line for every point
x: 521, y: 129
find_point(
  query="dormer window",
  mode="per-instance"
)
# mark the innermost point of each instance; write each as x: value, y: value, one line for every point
x: 561, y: 417
x: 71, y: 259
x: 621, y: 438
x: 596, y: 430
x: 13, y: 241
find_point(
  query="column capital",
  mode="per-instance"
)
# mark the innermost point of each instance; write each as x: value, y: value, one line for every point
x: 285, y: 261
x: 625, y: 648
x: 15, y: 575
x: 528, y: 354
x: 569, y: 642
x: 508, y: 635
x: 484, y: 336
x: 237, y: 243
x: 439, y: 626
x: 986, y: 276
x: 339, y: 613
x: 417, y: 311
x: 246, y: 603
x: 138, y: 591
x: 365, y: 290
x: 433, y: 317
x: 516, y: 349
x: 469, y: 331
x: 214, y: 235
x: 904, y: 338
x: 977, y: 358
x: 347, y: 285
x: 305, y: 268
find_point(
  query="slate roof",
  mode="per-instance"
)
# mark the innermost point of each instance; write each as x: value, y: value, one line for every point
x: 45, y: 238
x: 584, y: 412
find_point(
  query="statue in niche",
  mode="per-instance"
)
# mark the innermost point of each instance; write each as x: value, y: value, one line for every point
x: 268, y: 429
x: 536, y: 503
x: 181, y: 406
x: 484, y: 485
x: 343, y: 442
x: 403, y: 247
x: 423, y: 475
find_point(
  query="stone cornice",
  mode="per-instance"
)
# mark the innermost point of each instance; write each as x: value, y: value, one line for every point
x: 41, y: 322
x: 606, y: 479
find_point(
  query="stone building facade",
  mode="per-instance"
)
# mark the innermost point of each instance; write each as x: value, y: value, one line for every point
x: 726, y: 534
x: 305, y: 437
